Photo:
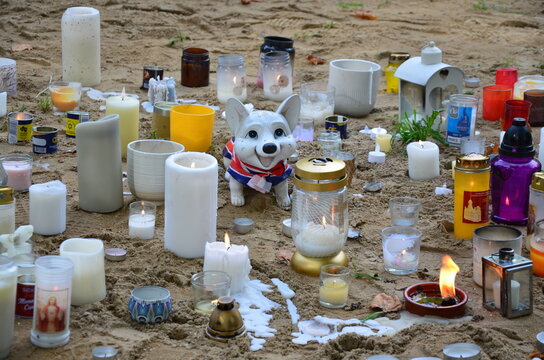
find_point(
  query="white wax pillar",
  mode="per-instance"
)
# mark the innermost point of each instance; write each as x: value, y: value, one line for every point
x: 89, y: 279
x: 514, y: 294
x: 81, y: 45
x: 128, y: 109
x: 8, y: 290
x: 423, y: 160
x: 233, y: 260
x: 318, y: 240
x: 8, y: 76
x: 3, y: 103
x: 190, y: 206
x: 47, y: 213
x: 99, y: 165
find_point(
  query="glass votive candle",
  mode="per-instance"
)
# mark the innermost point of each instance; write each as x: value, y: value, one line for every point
x: 401, y: 246
x: 19, y: 127
x: 536, y: 98
x: 18, y: 167
x: 317, y: 101
x: 304, y: 131
x: 207, y: 287
x: 473, y: 144
x: 231, y: 78
x: 334, y: 286
x: 65, y: 96
x: 52, y: 300
x: 329, y: 141
x: 141, y: 220
x: 195, y: 67
x: 277, y: 76
x: 494, y: 97
x: 506, y: 76
x: 514, y: 109
x: 404, y: 211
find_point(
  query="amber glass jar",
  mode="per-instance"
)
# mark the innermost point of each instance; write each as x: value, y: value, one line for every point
x: 195, y: 67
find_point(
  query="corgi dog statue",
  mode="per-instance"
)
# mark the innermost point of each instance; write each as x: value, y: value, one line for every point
x: 257, y: 154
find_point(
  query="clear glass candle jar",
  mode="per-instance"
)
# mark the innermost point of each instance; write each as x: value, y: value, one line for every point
x: 18, y: 167
x: 277, y: 76
x: 274, y: 43
x: 319, y: 220
x: 8, y: 289
x: 7, y: 210
x: 231, y: 78
x: 52, y: 300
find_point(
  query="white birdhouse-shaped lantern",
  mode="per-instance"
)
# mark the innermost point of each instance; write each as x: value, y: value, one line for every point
x: 425, y: 81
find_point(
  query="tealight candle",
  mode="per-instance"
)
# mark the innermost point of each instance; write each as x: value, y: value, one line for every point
x: 141, y: 220
x: 401, y: 245
x: 47, y: 207
x: 277, y: 76
x: 423, y: 160
x: 333, y: 286
x: 464, y: 351
x: 128, y: 109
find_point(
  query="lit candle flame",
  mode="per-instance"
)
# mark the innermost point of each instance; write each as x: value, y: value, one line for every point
x: 403, y: 253
x: 193, y: 165
x: 123, y: 94
x: 142, y: 212
x: 448, y: 271
x: 215, y: 302
x: 234, y: 81
x: 278, y: 78
x: 507, y: 201
x: 20, y: 116
x: 227, y: 241
x: 323, y: 222
x: 421, y: 144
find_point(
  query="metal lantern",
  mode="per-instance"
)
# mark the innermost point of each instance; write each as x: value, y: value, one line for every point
x: 508, y: 283
x: 425, y: 82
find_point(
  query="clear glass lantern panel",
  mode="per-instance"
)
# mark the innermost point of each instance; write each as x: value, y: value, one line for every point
x: 438, y: 95
x: 492, y: 286
x: 414, y: 97
x: 520, y: 289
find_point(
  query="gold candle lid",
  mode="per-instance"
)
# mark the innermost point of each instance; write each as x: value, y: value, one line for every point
x: 320, y: 174
x: 399, y: 56
x: 472, y: 161
x: 6, y: 195
x: 538, y: 181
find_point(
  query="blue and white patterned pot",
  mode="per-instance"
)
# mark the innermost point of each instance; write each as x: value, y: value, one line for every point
x: 150, y: 304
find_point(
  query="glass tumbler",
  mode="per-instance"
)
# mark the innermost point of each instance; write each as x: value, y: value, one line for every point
x: 404, y: 211
x: 207, y: 287
x: 334, y: 286
x: 401, y: 245
x: 65, y: 96
x: 317, y: 101
x: 329, y: 141
x: 514, y: 109
x: 494, y: 97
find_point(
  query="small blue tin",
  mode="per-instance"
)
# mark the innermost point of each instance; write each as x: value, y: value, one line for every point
x: 150, y: 304
x: 338, y: 123
x: 44, y: 139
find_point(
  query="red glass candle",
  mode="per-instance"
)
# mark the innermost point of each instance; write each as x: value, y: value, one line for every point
x: 494, y: 97
x: 514, y: 109
x: 536, y: 97
x: 506, y: 76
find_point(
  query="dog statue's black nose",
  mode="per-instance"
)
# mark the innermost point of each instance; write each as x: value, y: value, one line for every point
x: 270, y: 148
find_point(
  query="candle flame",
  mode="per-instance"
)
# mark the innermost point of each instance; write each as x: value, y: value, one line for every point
x: 448, y: 271
x: 234, y: 81
x: 278, y: 78
x: 507, y: 201
x: 215, y: 302
x: 323, y: 222
x: 123, y: 94
x: 142, y: 212
x: 20, y: 116
x: 227, y: 240
x: 403, y: 253
x: 421, y: 143
x: 193, y: 165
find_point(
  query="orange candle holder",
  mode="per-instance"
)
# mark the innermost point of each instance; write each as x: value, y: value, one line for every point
x: 494, y: 97
x: 65, y: 96
x: 192, y: 126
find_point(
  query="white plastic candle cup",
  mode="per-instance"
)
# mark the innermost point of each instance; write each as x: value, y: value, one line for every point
x: 8, y: 290
x: 401, y: 245
x: 404, y: 211
x: 329, y: 141
x: 89, y: 281
x: 334, y: 286
x: 208, y: 286
x: 18, y: 167
x: 52, y: 300
x: 473, y: 144
x: 141, y: 220
x: 317, y: 101
x: 145, y: 167
x: 47, y: 207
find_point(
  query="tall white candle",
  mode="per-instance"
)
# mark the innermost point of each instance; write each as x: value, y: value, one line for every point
x: 190, y: 207
x: 423, y: 160
x: 48, y: 207
x: 8, y: 290
x: 3, y: 103
x: 128, y: 109
x: 89, y: 279
x: 232, y: 259
x: 81, y: 45
x: 99, y: 171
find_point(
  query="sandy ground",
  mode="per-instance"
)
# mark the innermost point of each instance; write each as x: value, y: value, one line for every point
x: 136, y: 33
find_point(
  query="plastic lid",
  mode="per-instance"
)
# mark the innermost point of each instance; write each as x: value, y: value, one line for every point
x: 517, y: 141
x: 430, y: 54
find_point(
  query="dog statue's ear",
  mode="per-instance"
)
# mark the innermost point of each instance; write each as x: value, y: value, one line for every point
x: 290, y: 109
x: 235, y: 113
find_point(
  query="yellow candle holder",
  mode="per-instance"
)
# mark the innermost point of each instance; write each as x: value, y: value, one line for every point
x: 334, y: 286
x: 191, y: 126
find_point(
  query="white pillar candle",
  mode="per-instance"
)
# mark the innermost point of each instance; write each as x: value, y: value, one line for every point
x: 514, y: 294
x: 3, y: 103
x: 89, y: 279
x: 8, y: 291
x: 128, y: 109
x: 423, y: 160
x: 190, y: 207
x: 47, y: 213
x: 319, y: 240
x: 81, y: 45
x: 99, y: 165
x: 8, y: 76
x: 232, y: 259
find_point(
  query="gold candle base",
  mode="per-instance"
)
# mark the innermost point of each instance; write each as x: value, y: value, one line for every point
x: 312, y: 266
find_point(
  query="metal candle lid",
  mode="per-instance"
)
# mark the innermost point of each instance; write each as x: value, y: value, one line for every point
x: 320, y: 174
x: 6, y: 195
x: 104, y: 352
x: 472, y: 162
x: 538, y: 181
x: 465, y: 351
x: 399, y: 56
x: 115, y: 254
